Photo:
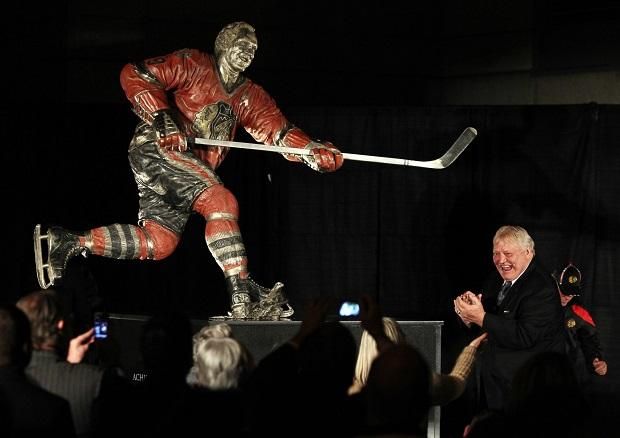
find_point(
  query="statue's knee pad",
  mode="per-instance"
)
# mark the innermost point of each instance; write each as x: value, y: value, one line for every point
x: 217, y: 199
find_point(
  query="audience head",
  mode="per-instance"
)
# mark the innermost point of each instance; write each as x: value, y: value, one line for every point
x: 368, y: 348
x: 327, y: 359
x: 222, y: 363
x: 15, y: 337
x: 43, y: 309
x: 220, y: 330
x: 547, y: 374
x: 398, y: 390
x: 545, y: 392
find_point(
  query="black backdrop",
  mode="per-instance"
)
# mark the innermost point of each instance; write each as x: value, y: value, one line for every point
x: 414, y: 238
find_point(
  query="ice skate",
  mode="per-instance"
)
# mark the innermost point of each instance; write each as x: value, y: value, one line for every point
x: 250, y: 301
x: 270, y: 297
x: 57, y: 247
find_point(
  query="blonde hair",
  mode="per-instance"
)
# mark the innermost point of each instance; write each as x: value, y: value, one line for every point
x: 222, y: 363
x: 517, y: 234
x: 221, y: 330
x: 368, y: 350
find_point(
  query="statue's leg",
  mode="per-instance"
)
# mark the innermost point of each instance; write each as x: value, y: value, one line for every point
x: 248, y: 299
x: 119, y: 241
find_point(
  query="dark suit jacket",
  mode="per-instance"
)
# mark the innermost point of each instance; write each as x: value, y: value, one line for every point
x: 28, y: 410
x: 528, y: 321
x: 80, y: 384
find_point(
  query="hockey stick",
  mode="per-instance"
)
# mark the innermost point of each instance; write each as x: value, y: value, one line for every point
x: 440, y: 163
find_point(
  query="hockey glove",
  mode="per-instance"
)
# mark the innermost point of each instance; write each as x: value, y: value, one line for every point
x: 168, y: 133
x: 325, y: 157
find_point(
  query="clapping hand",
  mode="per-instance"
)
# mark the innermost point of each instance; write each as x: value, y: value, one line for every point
x: 600, y: 366
x: 468, y: 306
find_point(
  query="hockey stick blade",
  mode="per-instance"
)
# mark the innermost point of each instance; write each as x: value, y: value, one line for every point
x: 442, y: 162
x: 458, y: 147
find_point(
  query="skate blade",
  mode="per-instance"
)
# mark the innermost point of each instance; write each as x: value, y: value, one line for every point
x: 220, y: 318
x: 283, y: 317
x: 43, y: 274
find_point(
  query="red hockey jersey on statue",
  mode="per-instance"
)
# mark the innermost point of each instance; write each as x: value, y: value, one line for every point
x: 188, y: 80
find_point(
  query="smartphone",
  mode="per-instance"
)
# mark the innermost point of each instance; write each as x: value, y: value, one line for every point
x: 101, y: 326
x: 349, y: 308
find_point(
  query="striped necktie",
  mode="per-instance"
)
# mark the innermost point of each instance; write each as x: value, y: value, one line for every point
x: 503, y: 291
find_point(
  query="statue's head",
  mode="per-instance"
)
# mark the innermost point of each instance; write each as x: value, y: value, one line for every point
x: 237, y: 43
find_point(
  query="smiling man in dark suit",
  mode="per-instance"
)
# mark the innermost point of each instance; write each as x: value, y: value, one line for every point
x: 522, y: 315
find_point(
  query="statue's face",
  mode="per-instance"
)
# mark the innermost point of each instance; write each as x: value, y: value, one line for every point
x: 241, y: 52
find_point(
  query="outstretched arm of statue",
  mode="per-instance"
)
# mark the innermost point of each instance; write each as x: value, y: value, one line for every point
x: 260, y: 116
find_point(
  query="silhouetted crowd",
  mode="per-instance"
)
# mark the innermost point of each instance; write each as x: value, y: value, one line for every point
x: 208, y: 381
